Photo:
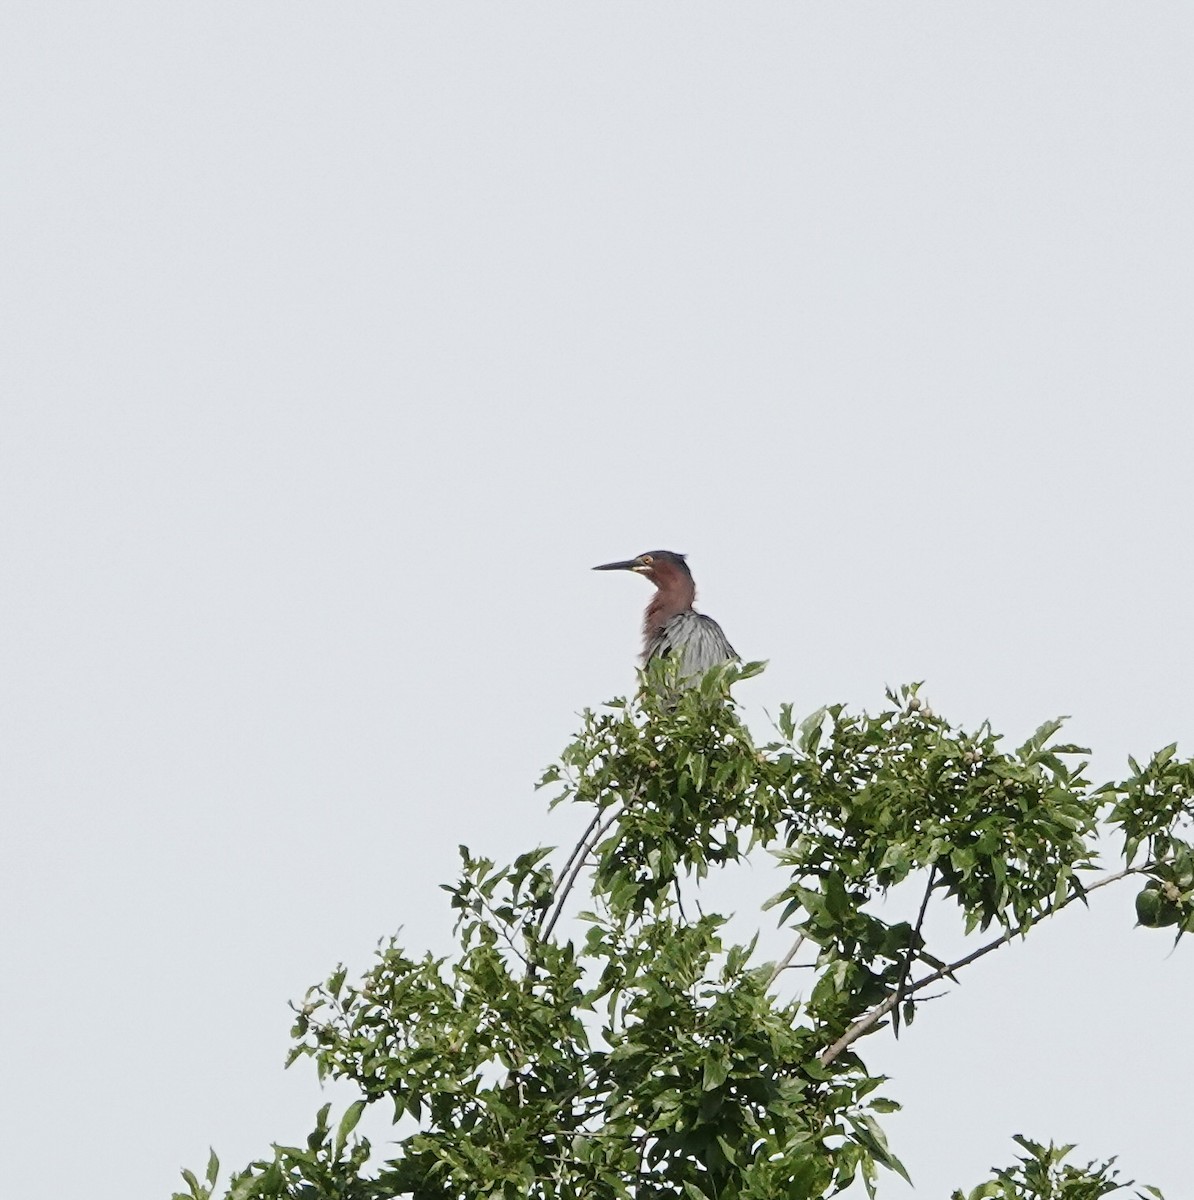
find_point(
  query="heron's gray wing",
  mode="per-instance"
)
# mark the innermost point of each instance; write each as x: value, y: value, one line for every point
x: 698, y: 639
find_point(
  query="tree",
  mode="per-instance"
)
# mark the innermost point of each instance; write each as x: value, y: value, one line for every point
x: 596, y: 1036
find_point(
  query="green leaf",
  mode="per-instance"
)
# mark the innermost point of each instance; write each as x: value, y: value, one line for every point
x: 1043, y: 733
x: 810, y: 730
x: 1062, y: 888
x: 348, y: 1122
x: 336, y: 981
x: 787, y: 727
x: 716, y: 1067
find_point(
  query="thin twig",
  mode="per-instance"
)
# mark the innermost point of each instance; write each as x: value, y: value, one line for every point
x: 679, y: 899
x: 562, y: 895
x: 502, y: 925
x: 580, y: 848
x: 785, y: 962
x: 864, y: 1023
x: 907, y: 966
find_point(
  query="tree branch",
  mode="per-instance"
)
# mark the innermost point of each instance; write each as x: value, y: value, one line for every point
x: 580, y: 848
x: 898, y: 994
x: 785, y: 962
x: 869, y: 1020
x: 592, y: 836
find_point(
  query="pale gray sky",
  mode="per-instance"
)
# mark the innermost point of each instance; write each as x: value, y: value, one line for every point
x: 339, y: 341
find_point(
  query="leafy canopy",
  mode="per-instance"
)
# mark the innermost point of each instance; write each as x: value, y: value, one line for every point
x: 595, y: 1036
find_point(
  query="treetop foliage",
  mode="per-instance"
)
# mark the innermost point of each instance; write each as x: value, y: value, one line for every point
x: 596, y: 1036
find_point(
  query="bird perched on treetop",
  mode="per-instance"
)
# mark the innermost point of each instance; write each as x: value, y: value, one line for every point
x: 670, y: 626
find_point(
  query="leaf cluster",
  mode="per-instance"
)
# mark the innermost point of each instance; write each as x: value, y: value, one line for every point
x: 1043, y: 1174
x: 1154, y: 811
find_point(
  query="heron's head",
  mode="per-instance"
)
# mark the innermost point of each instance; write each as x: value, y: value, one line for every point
x: 661, y: 567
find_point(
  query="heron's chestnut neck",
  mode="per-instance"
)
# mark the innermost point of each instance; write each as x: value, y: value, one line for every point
x: 674, y: 593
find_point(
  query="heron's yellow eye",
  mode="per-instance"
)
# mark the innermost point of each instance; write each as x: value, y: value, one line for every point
x: 646, y: 560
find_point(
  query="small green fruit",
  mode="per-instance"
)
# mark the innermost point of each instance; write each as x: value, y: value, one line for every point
x: 1154, y: 910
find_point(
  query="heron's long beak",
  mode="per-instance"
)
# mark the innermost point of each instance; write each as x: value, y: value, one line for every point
x: 631, y: 564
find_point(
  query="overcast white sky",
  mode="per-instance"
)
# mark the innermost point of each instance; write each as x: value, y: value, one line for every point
x: 339, y: 341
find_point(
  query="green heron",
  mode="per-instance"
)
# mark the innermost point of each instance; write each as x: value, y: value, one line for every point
x: 669, y: 623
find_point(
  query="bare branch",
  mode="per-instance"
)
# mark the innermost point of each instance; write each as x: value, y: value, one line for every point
x: 679, y: 899
x: 1002, y: 940
x: 592, y: 836
x: 581, y: 847
x: 785, y: 962
x: 898, y: 994
x: 579, y: 851
x: 869, y: 1020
